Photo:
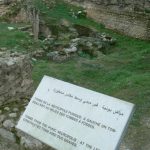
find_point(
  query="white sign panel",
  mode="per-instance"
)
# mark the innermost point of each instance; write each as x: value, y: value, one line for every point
x: 69, y: 117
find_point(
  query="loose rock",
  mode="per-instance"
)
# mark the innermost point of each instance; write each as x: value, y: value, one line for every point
x: 15, y: 71
x: 2, y: 117
x: 8, y: 124
x: 72, y: 49
x: 7, y: 135
x: 30, y: 143
x: 7, y: 108
x: 15, y: 109
x: 13, y: 115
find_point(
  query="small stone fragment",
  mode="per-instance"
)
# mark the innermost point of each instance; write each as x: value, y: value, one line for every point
x: 11, y: 28
x: 15, y: 73
x: 7, y: 135
x: 2, y: 117
x: 7, y: 108
x: 30, y: 143
x: 8, y: 124
x: 15, y: 109
x: 13, y: 115
x: 72, y: 49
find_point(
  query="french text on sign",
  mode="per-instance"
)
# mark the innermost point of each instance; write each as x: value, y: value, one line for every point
x: 69, y: 117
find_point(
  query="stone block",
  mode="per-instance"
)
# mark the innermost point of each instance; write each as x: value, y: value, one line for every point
x: 15, y: 80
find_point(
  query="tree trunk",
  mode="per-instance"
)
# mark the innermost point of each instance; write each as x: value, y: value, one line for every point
x: 36, y: 23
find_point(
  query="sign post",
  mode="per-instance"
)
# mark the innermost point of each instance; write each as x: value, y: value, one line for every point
x: 69, y: 117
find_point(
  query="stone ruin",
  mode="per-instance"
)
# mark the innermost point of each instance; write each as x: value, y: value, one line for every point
x: 6, y: 2
x: 132, y: 5
x: 130, y: 17
x: 15, y: 84
x: 15, y: 77
x: 15, y: 88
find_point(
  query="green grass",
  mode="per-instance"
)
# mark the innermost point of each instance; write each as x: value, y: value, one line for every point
x: 115, y: 81
x: 16, y: 40
x: 13, y: 38
x: 123, y: 73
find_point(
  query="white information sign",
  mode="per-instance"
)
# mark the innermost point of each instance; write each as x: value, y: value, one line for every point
x: 69, y: 117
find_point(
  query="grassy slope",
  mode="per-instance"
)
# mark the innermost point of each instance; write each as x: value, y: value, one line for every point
x: 16, y: 40
x: 124, y: 73
x: 12, y: 38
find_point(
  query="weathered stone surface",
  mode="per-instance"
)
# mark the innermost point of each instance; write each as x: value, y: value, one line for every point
x: 38, y: 54
x: 8, y: 145
x: 71, y: 49
x: 135, y: 25
x: 30, y: 143
x: 7, y: 135
x: 124, y: 147
x: 15, y: 109
x: 12, y: 139
x: 7, y: 108
x: 8, y: 124
x: 86, y: 40
x: 2, y: 117
x: 134, y: 5
x: 15, y: 81
x: 13, y: 115
x: 128, y: 17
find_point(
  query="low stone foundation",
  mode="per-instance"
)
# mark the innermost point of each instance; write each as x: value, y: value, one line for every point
x: 15, y: 77
x: 131, y: 18
x: 132, y: 24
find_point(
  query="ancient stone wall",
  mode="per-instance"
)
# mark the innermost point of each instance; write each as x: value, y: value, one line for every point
x: 131, y: 17
x: 15, y: 77
x: 135, y: 25
x: 130, y: 5
x: 6, y: 2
